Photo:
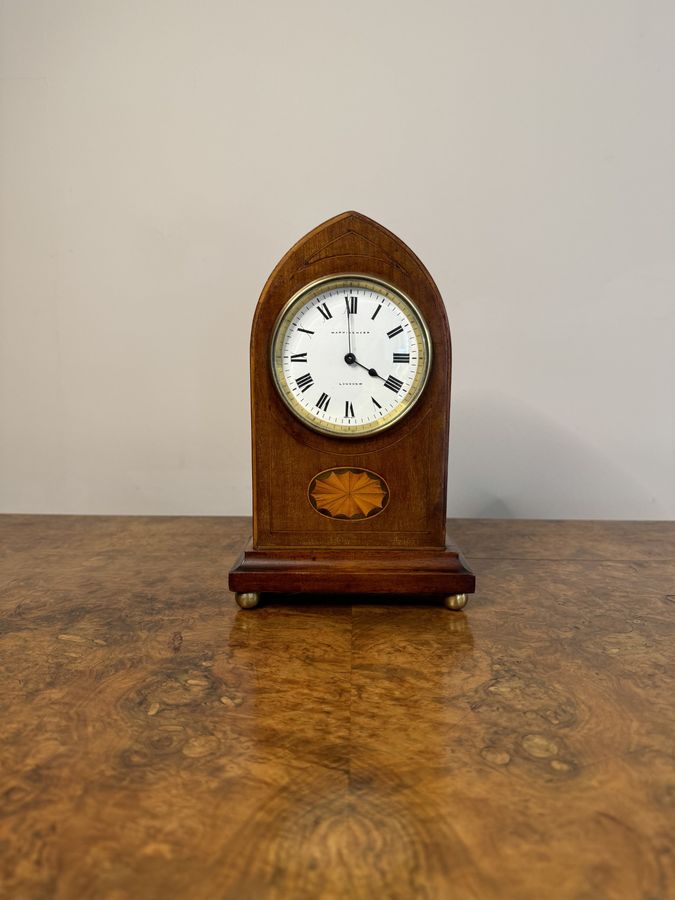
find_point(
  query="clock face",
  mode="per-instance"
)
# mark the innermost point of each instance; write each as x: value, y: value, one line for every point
x: 350, y: 355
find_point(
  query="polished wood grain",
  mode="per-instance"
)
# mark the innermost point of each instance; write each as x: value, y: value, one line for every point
x: 159, y: 742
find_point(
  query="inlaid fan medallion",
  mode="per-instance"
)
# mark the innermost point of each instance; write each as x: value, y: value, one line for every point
x: 348, y: 494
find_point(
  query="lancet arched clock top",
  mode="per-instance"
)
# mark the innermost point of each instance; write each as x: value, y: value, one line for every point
x: 350, y: 407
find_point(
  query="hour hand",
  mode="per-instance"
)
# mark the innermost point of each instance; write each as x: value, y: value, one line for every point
x: 351, y: 360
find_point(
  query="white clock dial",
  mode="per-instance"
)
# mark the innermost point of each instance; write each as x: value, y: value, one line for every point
x: 350, y: 355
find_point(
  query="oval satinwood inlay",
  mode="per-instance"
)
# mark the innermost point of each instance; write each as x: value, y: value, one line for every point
x: 348, y: 493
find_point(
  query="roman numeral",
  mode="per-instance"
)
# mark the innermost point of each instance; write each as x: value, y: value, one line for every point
x: 398, y: 357
x: 325, y: 312
x: 304, y: 382
x: 302, y: 357
x: 349, y: 410
x: 378, y: 405
x: 374, y: 315
x: 352, y: 304
x: 305, y: 330
x: 323, y: 402
x: 393, y: 384
x: 395, y: 331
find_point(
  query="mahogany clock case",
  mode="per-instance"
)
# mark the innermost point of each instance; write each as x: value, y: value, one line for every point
x: 403, y: 549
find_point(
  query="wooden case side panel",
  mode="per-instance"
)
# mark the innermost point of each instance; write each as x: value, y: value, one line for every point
x: 287, y: 455
x: 415, y: 502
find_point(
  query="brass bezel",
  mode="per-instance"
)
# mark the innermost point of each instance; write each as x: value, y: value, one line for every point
x: 281, y: 327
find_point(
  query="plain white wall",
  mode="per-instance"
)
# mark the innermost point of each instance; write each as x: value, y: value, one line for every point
x: 159, y: 156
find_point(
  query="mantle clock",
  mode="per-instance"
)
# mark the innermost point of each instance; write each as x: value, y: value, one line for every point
x: 350, y: 407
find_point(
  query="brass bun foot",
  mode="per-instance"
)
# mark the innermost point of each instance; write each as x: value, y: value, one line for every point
x: 456, y: 601
x: 249, y: 600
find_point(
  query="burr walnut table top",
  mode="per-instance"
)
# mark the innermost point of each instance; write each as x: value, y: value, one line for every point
x: 158, y: 742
